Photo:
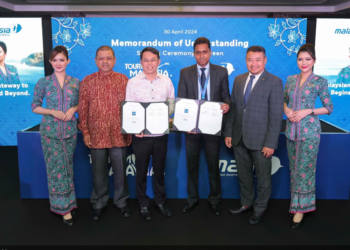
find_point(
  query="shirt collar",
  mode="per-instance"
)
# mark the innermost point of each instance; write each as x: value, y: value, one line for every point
x: 206, y: 67
x: 256, y: 76
x: 105, y: 75
x: 143, y: 76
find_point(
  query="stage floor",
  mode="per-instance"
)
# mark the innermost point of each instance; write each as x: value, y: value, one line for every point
x: 29, y: 222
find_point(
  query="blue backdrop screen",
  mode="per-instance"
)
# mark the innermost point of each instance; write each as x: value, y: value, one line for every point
x: 24, y: 64
x: 174, y: 37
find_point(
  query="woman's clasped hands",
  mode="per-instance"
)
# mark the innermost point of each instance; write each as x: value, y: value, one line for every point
x: 296, y: 116
x: 64, y: 116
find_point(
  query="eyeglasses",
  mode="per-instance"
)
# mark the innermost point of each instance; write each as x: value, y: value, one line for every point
x: 204, y: 52
x: 153, y: 60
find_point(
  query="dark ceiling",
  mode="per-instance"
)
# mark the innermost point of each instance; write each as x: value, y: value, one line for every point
x: 178, y: 6
x: 181, y: 2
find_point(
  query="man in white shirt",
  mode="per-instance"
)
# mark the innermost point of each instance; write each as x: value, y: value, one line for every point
x: 150, y: 86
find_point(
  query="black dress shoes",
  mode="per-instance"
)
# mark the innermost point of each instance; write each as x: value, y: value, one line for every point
x: 240, y: 210
x: 145, y: 214
x: 216, y: 209
x: 255, y: 218
x: 163, y: 209
x: 188, y: 207
x: 296, y: 224
x: 96, y: 214
x: 125, y: 211
x: 68, y: 222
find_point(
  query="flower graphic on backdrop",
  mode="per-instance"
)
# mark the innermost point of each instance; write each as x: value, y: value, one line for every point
x: 290, y: 30
x: 273, y: 31
x: 85, y: 30
x: 65, y: 36
x: 68, y: 27
x: 292, y: 37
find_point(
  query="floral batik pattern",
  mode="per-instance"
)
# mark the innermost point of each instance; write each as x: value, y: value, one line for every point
x: 57, y: 98
x: 58, y: 154
x: 303, y: 138
x: 302, y: 163
x: 100, y: 109
x: 304, y: 97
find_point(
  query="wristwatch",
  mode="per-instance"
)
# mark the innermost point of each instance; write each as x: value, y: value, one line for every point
x: 312, y: 113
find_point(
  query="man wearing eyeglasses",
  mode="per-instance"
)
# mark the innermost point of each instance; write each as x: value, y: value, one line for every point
x: 204, y: 81
x: 150, y: 86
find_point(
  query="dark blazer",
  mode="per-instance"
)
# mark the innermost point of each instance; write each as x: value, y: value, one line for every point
x: 260, y: 120
x: 188, y: 83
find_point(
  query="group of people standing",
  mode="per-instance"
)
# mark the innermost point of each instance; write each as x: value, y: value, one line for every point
x: 253, y: 114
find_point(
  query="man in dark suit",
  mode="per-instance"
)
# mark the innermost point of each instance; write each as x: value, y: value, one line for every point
x: 208, y: 82
x: 252, y: 127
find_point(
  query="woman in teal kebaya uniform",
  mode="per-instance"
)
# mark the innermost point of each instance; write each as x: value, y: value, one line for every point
x: 58, y: 130
x: 303, y: 131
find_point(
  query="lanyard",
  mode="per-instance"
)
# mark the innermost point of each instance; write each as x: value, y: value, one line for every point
x: 203, y: 90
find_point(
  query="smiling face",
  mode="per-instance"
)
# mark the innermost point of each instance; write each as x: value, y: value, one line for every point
x: 150, y: 63
x: 105, y: 61
x: 202, y: 53
x: 305, y: 62
x: 2, y: 55
x: 256, y: 62
x: 59, y: 63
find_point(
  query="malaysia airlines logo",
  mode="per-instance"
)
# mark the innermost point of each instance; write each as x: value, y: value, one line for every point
x: 16, y: 28
x: 229, y: 67
x: 276, y: 164
x: 10, y: 30
x: 342, y: 31
x: 230, y: 168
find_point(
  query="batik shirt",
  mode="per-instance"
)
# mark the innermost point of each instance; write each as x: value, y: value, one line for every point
x: 304, y: 98
x: 57, y: 98
x: 11, y: 75
x: 100, y: 103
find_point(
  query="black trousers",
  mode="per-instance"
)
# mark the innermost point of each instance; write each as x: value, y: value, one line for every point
x: 100, y: 194
x: 212, y: 145
x: 144, y: 148
x: 245, y: 158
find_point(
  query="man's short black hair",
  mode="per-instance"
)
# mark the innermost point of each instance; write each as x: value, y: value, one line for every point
x: 104, y: 48
x: 257, y: 49
x: 201, y: 40
x: 150, y: 49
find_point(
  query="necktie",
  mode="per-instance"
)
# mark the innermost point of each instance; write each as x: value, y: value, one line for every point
x: 248, y: 89
x: 203, y: 79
